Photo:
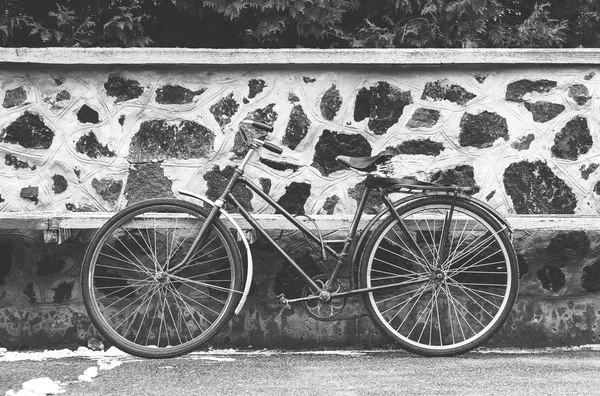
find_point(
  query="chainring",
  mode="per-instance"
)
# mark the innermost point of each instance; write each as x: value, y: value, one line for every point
x: 325, y: 310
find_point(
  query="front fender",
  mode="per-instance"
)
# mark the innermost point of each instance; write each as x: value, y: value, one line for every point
x: 242, y: 235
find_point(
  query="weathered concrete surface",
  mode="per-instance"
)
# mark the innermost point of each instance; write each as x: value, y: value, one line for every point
x: 41, y: 304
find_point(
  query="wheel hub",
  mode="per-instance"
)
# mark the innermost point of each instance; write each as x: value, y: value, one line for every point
x: 438, y: 276
x: 161, y: 277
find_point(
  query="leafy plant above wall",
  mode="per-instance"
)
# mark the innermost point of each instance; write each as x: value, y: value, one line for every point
x: 305, y: 23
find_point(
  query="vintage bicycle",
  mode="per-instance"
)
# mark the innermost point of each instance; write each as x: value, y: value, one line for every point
x: 436, y: 267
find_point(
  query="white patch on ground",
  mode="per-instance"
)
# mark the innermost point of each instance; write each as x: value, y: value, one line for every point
x: 10, y: 356
x: 89, y: 374
x: 38, y: 387
x: 524, y: 351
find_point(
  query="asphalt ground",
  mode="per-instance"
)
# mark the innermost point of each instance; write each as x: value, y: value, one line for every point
x: 483, y: 372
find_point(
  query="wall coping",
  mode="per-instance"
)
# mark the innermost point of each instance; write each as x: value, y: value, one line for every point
x: 363, y: 56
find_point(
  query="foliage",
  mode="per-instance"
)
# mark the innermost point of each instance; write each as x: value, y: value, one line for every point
x: 70, y: 30
x: 127, y: 27
x: 305, y: 23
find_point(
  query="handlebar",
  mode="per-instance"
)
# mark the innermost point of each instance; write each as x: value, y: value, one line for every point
x: 263, y: 127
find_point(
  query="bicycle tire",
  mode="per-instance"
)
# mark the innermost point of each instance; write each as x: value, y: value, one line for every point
x: 440, y: 306
x: 138, y: 300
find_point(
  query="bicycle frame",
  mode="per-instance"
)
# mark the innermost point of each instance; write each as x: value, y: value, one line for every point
x: 321, y: 293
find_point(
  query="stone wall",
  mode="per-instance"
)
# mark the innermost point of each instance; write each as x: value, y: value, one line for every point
x: 97, y: 137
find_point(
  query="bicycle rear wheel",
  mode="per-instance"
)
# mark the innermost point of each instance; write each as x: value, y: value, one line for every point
x: 138, y: 300
x: 445, y: 296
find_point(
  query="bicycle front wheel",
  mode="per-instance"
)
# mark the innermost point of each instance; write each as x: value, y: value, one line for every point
x: 444, y: 286
x: 136, y: 296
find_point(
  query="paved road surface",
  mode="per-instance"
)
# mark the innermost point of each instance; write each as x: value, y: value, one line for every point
x: 501, y: 372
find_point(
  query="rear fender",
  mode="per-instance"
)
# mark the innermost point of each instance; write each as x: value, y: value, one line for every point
x: 358, y: 247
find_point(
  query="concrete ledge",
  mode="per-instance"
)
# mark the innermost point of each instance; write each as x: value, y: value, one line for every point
x: 92, y: 220
x: 303, y: 56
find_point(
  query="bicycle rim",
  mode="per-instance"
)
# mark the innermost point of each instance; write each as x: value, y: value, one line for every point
x: 136, y: 299
x: 447, y: 299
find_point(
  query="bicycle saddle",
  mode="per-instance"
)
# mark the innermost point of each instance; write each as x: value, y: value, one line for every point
x: 364, y: 163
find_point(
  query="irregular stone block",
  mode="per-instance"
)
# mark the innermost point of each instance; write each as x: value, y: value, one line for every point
x: 482, y: 130
x: 552, y: 278
x: 255, y: 86
x: 535, y: 189
x: 294, y: 198
x: 265, y: 184
x: 217, y: 180
x: 279, y: 165
x: 590, y: 277
x: 224, y: 109
x: 50, y: 265
x: 423, y: 118
x: 108, y: 189
x: 176, y: 94
x: 573, y: 139
x: 147, y: 181
x: 13, y: 161
x: 579, y: 93
x: 586, y: 171
x: 331, y: 102
x: 63, y: 292
x: 523, y: 142
x: 597, y: 188
x: 383, y: 104
x: 329, y: 205
x: 266, y: 115
x: 516, y: 90
x: 63, y: 96
x: 89, y: 145
x: 87, y: 115
x: 297, y: 127
x: 462, y: 175
x: 59, y: 184
x: 362, y: 105
x: 331, y: 144
x: 418, y: 147
x: 481, y: 77
x: 30, y: 193
x: 374, y: 200
x: 123, y: 89
x: 14, y: 97
x: 78, y: 207
x: 543, y: 111
x: 158, y: 140
x: 29, y: 131
x: 445, y: 90
x: 575, y: 242
x: 293, y: 98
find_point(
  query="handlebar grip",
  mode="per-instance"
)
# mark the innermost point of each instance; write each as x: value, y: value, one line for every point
x: 273, y: 148
x: 261, y: 126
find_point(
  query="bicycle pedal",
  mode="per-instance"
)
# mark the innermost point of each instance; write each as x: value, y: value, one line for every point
x: 283, y: 301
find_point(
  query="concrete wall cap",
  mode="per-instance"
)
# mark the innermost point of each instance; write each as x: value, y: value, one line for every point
x: 363, y: 56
